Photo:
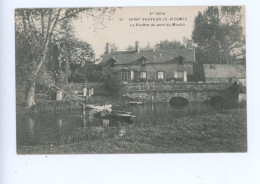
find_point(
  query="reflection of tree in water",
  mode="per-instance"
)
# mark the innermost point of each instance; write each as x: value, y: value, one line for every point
x: 87, y: 117
x: 31, y: 123
x: 84, y: 123
x: 91, y: 115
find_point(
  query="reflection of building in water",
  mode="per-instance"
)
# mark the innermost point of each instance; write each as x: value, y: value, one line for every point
x: 59, y: 122
x: 91, y: 92
x: 83, y: 112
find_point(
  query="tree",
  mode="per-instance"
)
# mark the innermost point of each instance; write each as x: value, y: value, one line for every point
x: 114, y: 85
x: 218, y: 34
x: 148, y: 46
x: 130, y: 48
x: 113, y: 47
x: 37, y: 28
x: 76, y: 52
x: 166, y: 44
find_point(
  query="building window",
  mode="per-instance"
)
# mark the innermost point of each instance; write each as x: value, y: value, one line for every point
x: 181, y: 75
x: 143, y: 75
x: 160, y: 75
x: 178, y: 75
x: 125, y: 75
x: 143, y: 62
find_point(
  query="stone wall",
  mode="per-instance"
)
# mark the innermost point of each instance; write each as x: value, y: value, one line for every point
x: 165, y: 96
x: 176, y: 86
x: 193, y: 92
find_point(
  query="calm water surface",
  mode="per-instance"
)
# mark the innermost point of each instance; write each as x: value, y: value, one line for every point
x: 43, y: 128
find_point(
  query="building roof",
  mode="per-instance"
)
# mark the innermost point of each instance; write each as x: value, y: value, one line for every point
x: 224, y: 71
x: 162, y: 56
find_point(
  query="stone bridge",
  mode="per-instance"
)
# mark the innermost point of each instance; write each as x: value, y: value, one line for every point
x: 159, y: 92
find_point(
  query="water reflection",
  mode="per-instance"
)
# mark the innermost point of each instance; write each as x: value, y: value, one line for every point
x: 155, y: 113
x: 31, y: 123
x: 59, y: 123
x: 43, y: 128
x: 91, y: 115
x: 84, y: 123
x: 105, y: 122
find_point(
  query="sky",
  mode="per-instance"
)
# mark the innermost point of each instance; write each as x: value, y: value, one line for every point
x: 130, y: 24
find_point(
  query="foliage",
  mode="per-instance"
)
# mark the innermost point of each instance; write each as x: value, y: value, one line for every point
x: 218, y: 34
x: 76, y: 52
x: 130, y: 48
x: 194, y: 77
x: 77, y: 77
x: 90, y: 72
x: 143, y: 80
x: 166, y: 44
x: 40, y: 33
x: 114, y: 85
x: 231, y: 95
x: 113, y: 47
x: 148, y: 46
x: 198, y: 73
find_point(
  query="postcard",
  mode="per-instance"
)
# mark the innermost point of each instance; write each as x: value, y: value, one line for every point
x: 130, y: 80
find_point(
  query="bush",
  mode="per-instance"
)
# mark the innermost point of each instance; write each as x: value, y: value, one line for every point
x: 195, y: 77
x: 114, y: 85
x: 94, y: 76
x: 177, y: 79
x: 169, y: 79
x: 136, y: 81
x: 77, y: 77
x: 143, y: 80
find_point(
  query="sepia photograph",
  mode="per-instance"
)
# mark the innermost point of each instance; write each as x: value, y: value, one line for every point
x: 121, y: 80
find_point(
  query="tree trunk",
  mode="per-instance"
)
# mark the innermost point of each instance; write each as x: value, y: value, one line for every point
x: 30, y: 95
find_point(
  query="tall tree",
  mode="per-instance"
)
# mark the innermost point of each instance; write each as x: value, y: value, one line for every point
x: 218, y: 34
x: 38, y: 27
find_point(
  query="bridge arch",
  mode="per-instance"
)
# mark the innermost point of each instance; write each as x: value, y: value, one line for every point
x: 178, y: 101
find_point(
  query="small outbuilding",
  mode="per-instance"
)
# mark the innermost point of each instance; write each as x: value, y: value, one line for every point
x: 225, y: 73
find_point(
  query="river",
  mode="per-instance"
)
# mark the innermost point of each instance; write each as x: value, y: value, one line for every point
x: 45, y: 127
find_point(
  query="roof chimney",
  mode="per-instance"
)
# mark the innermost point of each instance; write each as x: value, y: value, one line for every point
x: 107, y: 48
x: 136, y: 46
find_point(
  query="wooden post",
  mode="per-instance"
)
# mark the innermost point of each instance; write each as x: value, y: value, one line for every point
x: 83, y: 108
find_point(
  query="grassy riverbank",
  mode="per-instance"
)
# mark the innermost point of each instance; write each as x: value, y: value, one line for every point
x: 221, y: 132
